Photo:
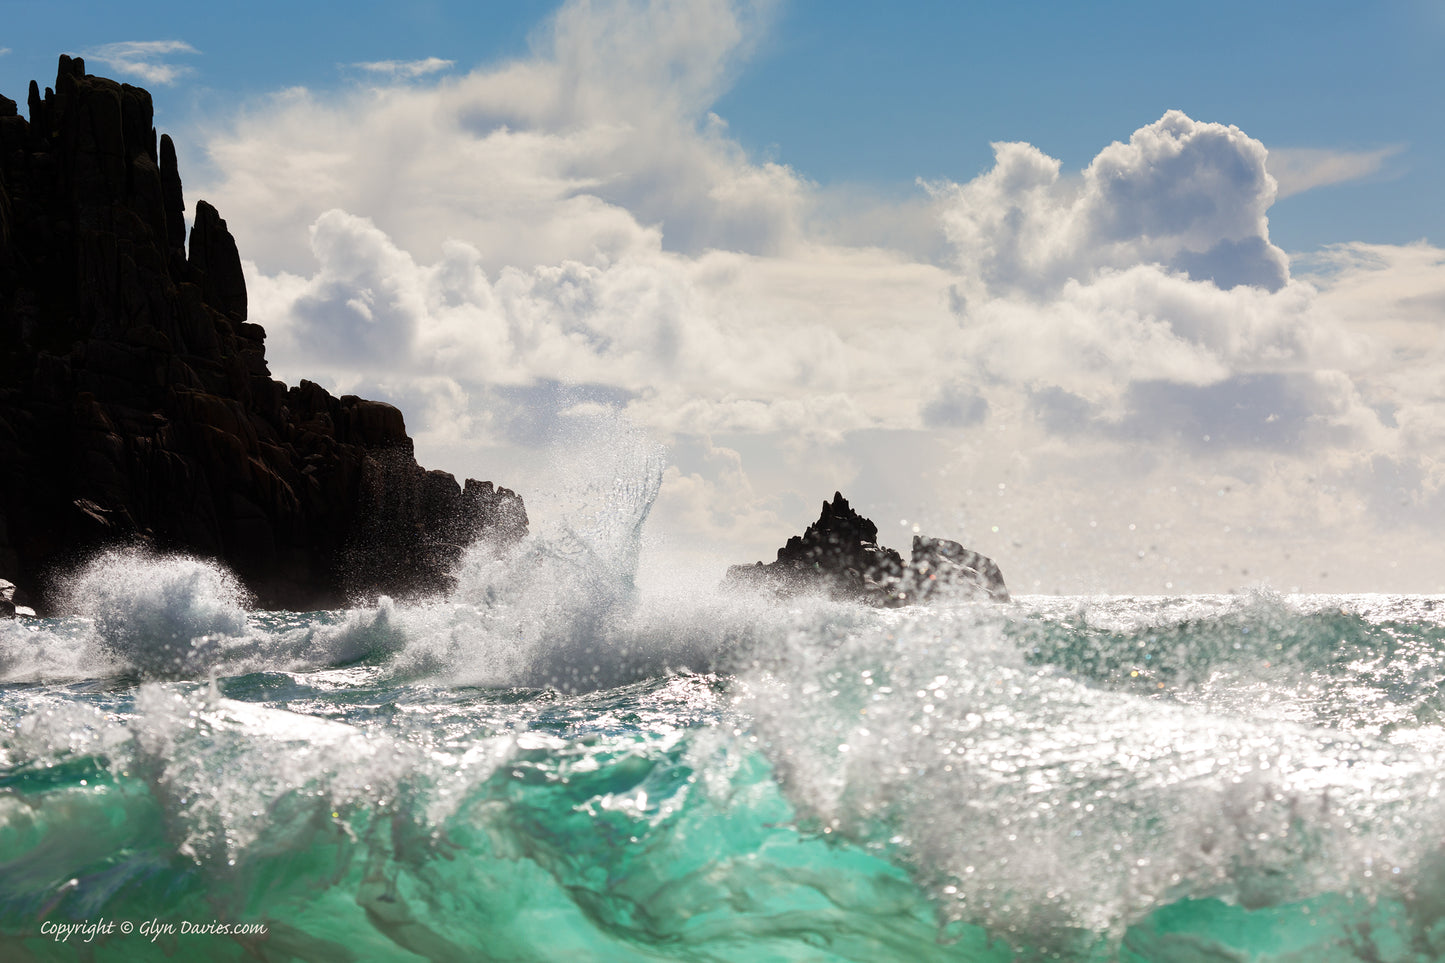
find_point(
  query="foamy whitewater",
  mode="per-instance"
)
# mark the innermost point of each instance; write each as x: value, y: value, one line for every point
x: 550, y: 765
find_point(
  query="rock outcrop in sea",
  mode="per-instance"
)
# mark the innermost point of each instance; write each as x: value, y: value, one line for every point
x: 136, y: 405
x: 839, y: 555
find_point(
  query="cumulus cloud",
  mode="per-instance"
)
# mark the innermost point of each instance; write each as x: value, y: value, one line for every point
x: 1186, y: 195
x: 707, y: 492
x: 148, y: 60
x: 577, y: 228
x: 723, y: 342
x: 1395, y: 294
x: 955, y: 405
x: 1299, y: 169
x: 1143, y: 300
x: 1273, y: 412
x: 405, y: 69
x: 584, y: 151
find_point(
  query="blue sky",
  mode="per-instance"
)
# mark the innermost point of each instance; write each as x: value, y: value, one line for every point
x: 887, y: 92
x: 1129, y: 296
x: 858, y: 92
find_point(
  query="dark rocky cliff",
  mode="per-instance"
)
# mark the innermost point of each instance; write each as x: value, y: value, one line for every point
x: 135, y: 400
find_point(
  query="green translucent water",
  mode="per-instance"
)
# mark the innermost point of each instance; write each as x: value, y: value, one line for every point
x: 525, y: 777
x: 606, y: 838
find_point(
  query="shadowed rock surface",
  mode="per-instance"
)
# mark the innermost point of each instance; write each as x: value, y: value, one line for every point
x: 939, y: 567
x: 839, y: 555
x: 135, y: 400
x: 12, y: 601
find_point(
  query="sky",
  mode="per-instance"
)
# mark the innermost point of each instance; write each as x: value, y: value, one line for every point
x: 1131, y: 297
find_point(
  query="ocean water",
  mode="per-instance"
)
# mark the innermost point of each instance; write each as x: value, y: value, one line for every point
x: 551, y: 765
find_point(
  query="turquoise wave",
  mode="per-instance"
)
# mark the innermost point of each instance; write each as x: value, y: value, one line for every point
x: 549, y: 765
x: 591, y: 840
x: 377, y: 820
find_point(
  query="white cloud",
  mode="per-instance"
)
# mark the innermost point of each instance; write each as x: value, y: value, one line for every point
x: 723, y: 342
x: 145, y: 59
x: 716, y: 502
x: 577, y: 228
x: 4, y: 51
x: 1182, y: 194
x: 1395, y: 294
x: 1383, y: 283
x: 572, y: 154
x: 406, y: 69
x: 1299, y: 169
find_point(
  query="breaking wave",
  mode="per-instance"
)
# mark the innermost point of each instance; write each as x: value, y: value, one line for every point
x: 549, y: 763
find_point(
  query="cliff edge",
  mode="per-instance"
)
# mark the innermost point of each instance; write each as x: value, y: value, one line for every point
x: 136, y: 405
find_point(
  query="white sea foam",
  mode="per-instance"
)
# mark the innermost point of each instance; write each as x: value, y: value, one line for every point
x: 1060, y: 766
x: 562, y: 609
x: 131, y: 612
x: 48, y: 650
x: 1041, y: 803
x: 162, y: 616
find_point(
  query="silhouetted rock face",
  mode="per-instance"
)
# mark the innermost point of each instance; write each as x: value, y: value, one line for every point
x: 135, y: 400
x: 939, y: 567
x: 839, y: 555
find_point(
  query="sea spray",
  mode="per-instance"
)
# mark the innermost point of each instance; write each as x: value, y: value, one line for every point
x: 132, y: 612
x: 35, y: 650
x: 550, y: 763
x: 553, y: 610
x: 1045, y: 807
x: 358, y: 809
x: 163, y: 617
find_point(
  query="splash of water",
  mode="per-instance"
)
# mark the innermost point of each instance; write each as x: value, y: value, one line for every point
x: 163, y: 617
x: 1053, y: 806
x: 555, y: 610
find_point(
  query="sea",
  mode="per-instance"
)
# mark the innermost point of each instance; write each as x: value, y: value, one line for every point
x: 551, y: 763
